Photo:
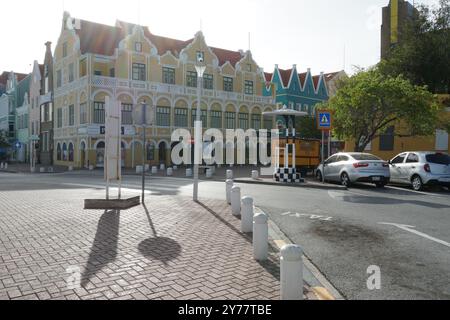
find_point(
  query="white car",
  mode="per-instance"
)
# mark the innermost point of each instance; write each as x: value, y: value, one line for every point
x: 419, y: 168
x: 350, y: 167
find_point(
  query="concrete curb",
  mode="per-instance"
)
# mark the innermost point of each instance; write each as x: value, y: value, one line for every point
x: 307, y: 184
x: 318, y: 283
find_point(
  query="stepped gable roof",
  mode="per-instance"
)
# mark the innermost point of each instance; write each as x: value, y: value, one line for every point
x: 102, y: 39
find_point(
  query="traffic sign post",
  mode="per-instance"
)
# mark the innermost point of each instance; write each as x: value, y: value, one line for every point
x: 324, y: 123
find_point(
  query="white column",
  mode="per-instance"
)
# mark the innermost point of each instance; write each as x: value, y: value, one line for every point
x: 291, y: 273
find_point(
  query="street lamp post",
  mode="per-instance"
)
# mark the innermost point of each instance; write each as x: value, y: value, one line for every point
x: 200, y: 68
x: 144, y: 149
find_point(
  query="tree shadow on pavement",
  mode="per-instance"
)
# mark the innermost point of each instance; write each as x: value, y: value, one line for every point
x: 104, y: 248
x: 270, y: 265
x: 158, y: 248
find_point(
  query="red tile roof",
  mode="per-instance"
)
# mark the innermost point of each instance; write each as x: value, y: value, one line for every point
x: 268, y: 76
x: 4, y: 77
x: 98, y: 38
x: 227, y: 55
x: 285, y: 76
x: 302, y: 78
x: 101, y: 39
x: 316, y: 81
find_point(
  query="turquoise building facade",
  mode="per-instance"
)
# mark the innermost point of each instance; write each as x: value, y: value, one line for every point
x: 298, y: 91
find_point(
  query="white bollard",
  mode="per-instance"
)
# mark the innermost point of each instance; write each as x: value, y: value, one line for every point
x: 154, y: 170
x: 255, y: 175
x: 1, y: 165
x: 50, y: 170
x: 70, y: 168
x: 42, y: 170
x: 6, y: 165
x: 162, y: 167
x: 236, y: 200
x: 188, y: 172
x: 139, y: 169
x: 33, y: 169
x: 91, y: 167
x: 208, y: 173
x: 260, y: 237
x: 175, y: 168
x: 229, y: 185
x: 147, y: 168
x: 291, y: 273
x: 213, y: 170
x: 169, y: 172
x: 247, y: 215
x: 229, y: 174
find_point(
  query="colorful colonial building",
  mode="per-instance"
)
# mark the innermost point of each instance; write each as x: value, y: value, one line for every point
x: 300, y: 91
x: 128, y: 63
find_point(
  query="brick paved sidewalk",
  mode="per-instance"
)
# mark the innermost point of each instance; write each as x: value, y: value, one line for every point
x: 175, y: 249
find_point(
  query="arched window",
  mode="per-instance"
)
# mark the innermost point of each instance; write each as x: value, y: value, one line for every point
x: 58, y: 152
x: 70, y: 152
x: 64, y: 152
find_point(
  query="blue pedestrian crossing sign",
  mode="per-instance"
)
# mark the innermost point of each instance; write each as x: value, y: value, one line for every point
x: 324, y: 120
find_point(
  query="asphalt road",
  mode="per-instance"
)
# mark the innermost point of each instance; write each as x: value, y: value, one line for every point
x: 405, y: 233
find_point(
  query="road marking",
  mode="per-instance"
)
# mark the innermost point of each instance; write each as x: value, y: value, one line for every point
x: 322, y: 293
x: 305, y: 215
x: 410, y: 229
x: 418, y: 192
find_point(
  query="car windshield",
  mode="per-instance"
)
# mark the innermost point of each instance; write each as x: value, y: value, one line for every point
x: 364, y: 156
x: 438, y: 158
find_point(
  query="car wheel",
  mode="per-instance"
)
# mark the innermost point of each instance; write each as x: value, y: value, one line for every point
x: 345, y: 179
x: 417, y: 183
x: 319, y: 176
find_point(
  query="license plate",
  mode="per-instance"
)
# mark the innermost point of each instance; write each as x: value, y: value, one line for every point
x: 376, y: 178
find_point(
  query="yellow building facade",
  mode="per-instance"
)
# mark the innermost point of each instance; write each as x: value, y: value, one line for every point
x: 398, y: 140
x: 128, y: 63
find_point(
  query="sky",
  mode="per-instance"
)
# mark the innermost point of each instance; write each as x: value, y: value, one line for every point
x: 324, y: 35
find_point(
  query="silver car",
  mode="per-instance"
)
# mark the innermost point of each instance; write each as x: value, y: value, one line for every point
x: 418, y: 169
x: 351, y: 167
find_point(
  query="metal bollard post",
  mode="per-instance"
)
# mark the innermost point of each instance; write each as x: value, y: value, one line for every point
x: 6, y: 165
x: 255, y: 175
x: 229, y: 185
x: 236, y: 200
x: 139, y: 169
x: 162, y: 167
x: 175, y: 168
x: 208, y: 173
x: 70, y: 168
x: 247, y: 215
x: 169, y: 172
x: 154, y: 170
x: 229, y: 174
x: 260, y: 237
x: 42, y: 170
x: 291, y: 272
x: 188, y: 172
x: 1, y: 165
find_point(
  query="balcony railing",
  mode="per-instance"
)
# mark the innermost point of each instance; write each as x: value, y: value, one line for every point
x: 106, y: 82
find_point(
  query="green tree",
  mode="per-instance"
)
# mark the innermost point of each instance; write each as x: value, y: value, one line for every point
x: 369, y: 102
x: 3, y: 140
x: 423, y: 55
x: 306, y: 127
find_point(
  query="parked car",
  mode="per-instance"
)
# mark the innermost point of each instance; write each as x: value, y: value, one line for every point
x: 419, y: 169
x: 351, y: 167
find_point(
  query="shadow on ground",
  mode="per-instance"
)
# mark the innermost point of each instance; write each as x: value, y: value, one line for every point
x: 104, y: 248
